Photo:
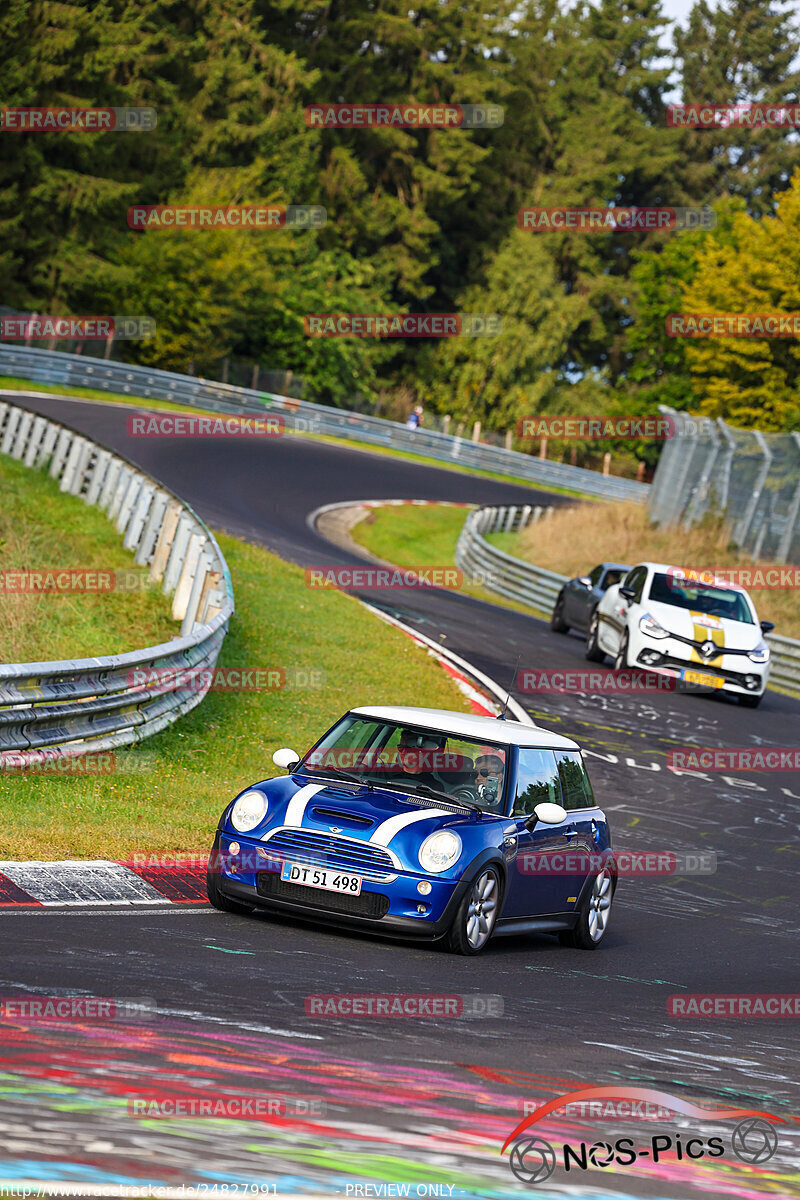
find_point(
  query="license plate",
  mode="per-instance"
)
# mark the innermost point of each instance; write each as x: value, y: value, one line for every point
x: 321, y: 877
x: 713, y: 681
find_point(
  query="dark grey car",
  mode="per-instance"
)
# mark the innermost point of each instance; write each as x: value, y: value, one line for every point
x: 579, y: 597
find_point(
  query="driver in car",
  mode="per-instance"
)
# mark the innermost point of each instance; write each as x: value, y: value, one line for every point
x: 489, y: 768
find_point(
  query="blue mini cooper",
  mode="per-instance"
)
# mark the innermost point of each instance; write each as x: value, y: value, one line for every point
x: 423, y: 823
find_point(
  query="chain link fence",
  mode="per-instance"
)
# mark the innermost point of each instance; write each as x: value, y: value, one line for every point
x: 752, y: 478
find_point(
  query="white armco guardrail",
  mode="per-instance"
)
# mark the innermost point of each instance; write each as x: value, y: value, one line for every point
x: 537, y: 588
x: 76, y: 370
x: 78, y: 706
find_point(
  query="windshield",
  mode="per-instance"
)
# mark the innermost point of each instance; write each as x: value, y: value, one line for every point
x: 700, y: 597
x: 412, y: 760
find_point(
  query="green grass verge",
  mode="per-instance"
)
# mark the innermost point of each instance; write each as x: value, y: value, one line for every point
x: 41, y: 527
x: 169, y: 792
x: 21, y: 385
x: 421, y: 536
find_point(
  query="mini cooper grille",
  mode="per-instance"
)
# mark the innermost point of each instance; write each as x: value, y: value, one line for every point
x: 368, y: 904
x: 327, y: 850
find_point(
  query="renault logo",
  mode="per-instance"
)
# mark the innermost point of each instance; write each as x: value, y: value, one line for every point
x: 707, y: 649
x: 334, y: 829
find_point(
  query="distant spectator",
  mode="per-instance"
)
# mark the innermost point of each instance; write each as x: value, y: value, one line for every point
x: 415, y: 418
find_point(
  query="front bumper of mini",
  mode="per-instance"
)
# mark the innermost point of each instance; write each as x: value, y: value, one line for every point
x: 394, y: 905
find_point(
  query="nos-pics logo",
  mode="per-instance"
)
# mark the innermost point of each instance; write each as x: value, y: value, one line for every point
x: 533, y: 1159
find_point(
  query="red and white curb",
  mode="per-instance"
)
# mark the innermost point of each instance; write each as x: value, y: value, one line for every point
x: 71, y: 883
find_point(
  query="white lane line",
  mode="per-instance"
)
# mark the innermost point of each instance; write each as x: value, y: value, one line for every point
x: 51, y: 910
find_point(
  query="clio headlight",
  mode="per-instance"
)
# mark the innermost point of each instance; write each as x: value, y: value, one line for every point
x: 760, y: 654
x: 649, y: 625
x: 439, y: 851
x: 248, y: 811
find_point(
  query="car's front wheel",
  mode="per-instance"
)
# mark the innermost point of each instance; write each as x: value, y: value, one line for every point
x: 595, y: 912
x: 593, y: 651
x: 751, y: 701
x: 218, y: 898
x: 477, y: 914
x: 621, y: 661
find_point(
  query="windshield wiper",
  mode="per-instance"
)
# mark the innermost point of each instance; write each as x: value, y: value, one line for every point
x: 359, y: 779
x: 422, y: 789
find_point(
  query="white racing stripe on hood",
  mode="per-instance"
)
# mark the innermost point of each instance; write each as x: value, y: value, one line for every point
x: 387, y: 829
x: 296, y: 808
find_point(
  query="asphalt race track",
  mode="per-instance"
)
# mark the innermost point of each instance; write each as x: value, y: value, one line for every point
x: 427, y: 1102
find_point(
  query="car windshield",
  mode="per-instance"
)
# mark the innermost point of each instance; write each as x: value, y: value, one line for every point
x: 700, y: 597
x: 411, y: 759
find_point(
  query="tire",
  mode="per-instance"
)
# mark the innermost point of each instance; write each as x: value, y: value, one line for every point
x: 595, y: 912
x: 621, y: 661
x: 592, y: 650
x: 751, y: 701
x: 218, y: 899
x: 557, y: 622
x: 467, y: 935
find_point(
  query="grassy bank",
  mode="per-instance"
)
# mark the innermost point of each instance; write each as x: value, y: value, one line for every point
x: 168, y: 793
x: 40, y: 528
x: 419, y: 536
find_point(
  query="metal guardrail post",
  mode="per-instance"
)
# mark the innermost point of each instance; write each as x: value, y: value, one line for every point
x: 792, y: 515
x: 697, y: 505
x: 189, y: 568
x: 743, y: 528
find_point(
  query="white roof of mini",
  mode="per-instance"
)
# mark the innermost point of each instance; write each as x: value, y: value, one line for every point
x: 469, y: 725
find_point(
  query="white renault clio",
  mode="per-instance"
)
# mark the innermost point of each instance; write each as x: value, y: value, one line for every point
x: 671, y: 620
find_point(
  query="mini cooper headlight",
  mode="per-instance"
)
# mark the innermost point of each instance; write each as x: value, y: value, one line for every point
x: 248, y: 811
x: 649, y: 625
x: 439, y: 851
x: 760, y: 654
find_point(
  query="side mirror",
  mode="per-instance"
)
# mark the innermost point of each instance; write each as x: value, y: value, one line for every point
x: 628, y: 592
x: 286, y: 759
x: 767, y: 626
x: 547, y: 813
x: 585, y: 580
